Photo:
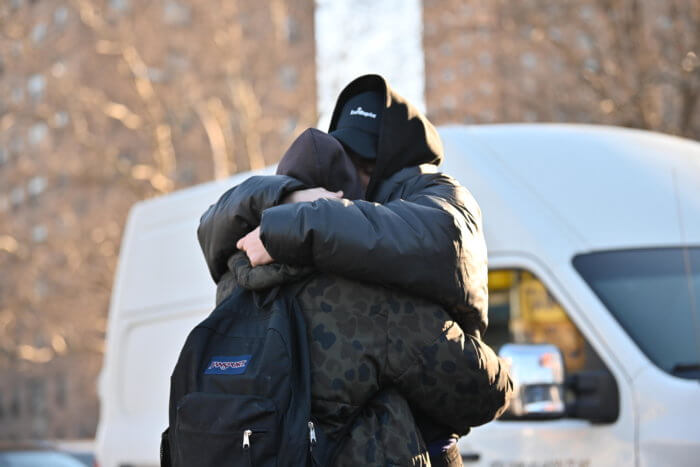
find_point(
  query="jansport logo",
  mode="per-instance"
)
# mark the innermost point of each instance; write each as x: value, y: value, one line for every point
x: 228, y: 365
x: 363, y: 113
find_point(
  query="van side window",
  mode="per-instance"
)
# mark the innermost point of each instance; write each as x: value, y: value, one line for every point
x: 523, y: 311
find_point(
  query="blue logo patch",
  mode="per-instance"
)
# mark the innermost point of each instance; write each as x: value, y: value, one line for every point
x: 228, y: 365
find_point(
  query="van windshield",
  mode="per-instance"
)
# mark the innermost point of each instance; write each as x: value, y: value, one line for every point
x: 654, y: 295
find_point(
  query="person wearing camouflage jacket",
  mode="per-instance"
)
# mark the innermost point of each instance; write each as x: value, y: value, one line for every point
x: 420, y: 232
x: 377, y: 355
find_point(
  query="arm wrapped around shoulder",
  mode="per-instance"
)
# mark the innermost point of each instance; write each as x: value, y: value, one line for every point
x: 429, y: 243
x: 236, y: 213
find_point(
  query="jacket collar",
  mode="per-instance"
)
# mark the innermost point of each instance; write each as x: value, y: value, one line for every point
x: 265, y: 277
x: 387, y: 189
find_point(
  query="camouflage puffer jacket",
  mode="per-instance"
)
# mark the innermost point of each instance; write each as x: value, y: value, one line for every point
x: 384, y: 353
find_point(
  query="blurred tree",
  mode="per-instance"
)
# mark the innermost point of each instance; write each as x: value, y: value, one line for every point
x: 111, y: 102
x: 621, y: 62
x: 635, y: 58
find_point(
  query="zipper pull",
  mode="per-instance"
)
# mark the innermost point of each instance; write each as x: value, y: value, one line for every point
x: 312, y: 435
x: 246, y: 439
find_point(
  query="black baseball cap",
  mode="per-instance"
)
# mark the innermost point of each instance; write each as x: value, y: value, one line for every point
x: 358, y: 124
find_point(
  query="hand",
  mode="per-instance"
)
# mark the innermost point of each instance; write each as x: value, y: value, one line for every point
x: 311, y: 194
x: 254, y: 248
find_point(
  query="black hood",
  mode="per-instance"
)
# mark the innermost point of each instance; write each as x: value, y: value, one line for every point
x: 318, y: 159
x: 406, y: 137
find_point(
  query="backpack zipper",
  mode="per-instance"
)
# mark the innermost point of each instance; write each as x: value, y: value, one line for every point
x: 246, y: 446
x: 246, y: 439
x: 312, y: 436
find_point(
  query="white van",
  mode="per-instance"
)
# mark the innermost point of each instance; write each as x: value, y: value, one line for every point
x: 594, y: 247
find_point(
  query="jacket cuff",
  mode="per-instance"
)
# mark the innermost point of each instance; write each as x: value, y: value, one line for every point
x: 283, y: 234
x: 288, y: 186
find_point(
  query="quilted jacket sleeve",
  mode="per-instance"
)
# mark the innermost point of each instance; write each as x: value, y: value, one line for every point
x: 457, y: 379
x: 236, y: 213
x: 429, y: 242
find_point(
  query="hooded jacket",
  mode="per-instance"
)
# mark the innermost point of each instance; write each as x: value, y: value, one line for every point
x: 417, y: 230
x: 377, y: 356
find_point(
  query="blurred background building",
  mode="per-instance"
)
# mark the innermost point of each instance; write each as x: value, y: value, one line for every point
x: 619, y: 62
x: 107, y: 102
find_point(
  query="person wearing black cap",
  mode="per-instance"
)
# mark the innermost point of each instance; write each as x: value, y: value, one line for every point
x: 359, y: 124
x: 416, y: 230
x: 411, y: 213
x: 358, y: 131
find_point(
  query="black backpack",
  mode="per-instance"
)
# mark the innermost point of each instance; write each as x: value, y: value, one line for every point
x: 240, y: 391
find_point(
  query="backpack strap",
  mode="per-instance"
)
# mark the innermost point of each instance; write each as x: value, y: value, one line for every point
x: 165, y: 449
x: 296, y: 287
x: 263, y: 299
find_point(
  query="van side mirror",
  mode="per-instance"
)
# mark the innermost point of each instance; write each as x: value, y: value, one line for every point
x: 537, y: 371
x: 540, y: 386
x: 596, y: 396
